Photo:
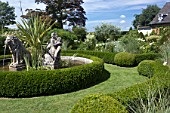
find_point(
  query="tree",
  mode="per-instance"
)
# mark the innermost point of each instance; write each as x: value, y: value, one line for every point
x: 80, y: 32
x: 146, y: 16
x: 38, y: 12
x: 106, y: 31
x: 64, y: 11
x: 7, y: 15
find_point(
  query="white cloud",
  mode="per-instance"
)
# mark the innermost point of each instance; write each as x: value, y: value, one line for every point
x: 122, y: 16
x: 122, y: 21
x: 98, y: 5
x: 102, y: 21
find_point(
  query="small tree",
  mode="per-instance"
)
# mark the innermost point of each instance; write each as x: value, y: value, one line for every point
x: 7, y: 15
x: 106, y: 31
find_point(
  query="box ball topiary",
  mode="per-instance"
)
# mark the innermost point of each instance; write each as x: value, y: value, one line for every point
x: 147, y: 68
x: 124, y: 59
x: 97, y: 103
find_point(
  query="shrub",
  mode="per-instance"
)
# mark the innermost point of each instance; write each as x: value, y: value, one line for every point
x: 146, y: 68
x: 106, y: 56
x: 44, y: 82
x: 149, y: 67
x: 2, y: 39
x: 130, y: 96
x: 97, y: 103
x: 124, y: 59
x: 146, y: 56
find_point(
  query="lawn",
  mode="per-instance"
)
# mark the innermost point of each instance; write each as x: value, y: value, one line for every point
x: 120, y: 78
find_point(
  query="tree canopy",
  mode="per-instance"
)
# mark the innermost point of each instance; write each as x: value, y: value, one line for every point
x: 146, y: 16
x: 64, y: 11
x: 106, y: 31
x: 7, y: 15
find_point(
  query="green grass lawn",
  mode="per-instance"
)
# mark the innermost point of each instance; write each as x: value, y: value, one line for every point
x: 120, y: 78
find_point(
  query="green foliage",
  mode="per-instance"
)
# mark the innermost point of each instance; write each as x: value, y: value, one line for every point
x: 89, y: 43
x: 124, y: 59
x: 7, y: 15
x: 97, y: 103
x: 45, y: 82
x: 34, y: 34
x: 146, y: 56
x: 106, y: 31
x: 165, y: 34
x: 106, y: 56
x: 146, y: 16
x: 6, y: 56
x: 66, y: 36
x: 131, y: 42
x: 80, y: 32
x: 134, y: 94
x: 64, y: 11
x: 2, y: 39
x: 147, y: 68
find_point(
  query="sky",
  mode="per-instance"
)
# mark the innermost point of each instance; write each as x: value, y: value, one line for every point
x: 116, y: 12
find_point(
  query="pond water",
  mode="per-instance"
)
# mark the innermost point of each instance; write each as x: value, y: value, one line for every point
x: 6, y: 65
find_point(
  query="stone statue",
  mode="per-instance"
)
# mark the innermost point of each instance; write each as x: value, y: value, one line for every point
x: 52, y: 56
x: 17, y: 49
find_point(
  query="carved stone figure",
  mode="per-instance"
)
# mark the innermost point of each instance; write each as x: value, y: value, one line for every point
x: 52, y: 57
x: 18, y: 50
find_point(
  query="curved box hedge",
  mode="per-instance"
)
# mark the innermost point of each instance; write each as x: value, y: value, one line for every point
x: 106, y: 56
x: 50, y: 82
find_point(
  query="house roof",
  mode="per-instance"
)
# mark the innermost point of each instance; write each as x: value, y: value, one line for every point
x: 163, y: 17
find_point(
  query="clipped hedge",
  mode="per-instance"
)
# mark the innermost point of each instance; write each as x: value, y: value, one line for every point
x: 106, y: 56
x: 147, y: 68
x: 97, y: 103
x: 49, y: 82
x: 124, y: 59
x: 132, y: 95
x: 146, y: 56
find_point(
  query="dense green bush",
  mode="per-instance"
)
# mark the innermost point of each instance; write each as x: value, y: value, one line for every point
x: 130, y: 96
x: 146, y: 56
x: 124, y: 59
x: 147, y: 68
x: 106, y: 56
x: 97, y: 103
x: 49, y: 82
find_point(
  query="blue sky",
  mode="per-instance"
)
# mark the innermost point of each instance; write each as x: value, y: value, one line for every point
x: 117, y: 12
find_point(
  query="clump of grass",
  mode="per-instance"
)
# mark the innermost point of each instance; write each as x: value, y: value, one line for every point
x: 156, y: 101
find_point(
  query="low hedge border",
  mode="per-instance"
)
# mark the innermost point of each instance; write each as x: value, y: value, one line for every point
x: 106, y: 56
x: 50, y: 82
x: 132, y: 95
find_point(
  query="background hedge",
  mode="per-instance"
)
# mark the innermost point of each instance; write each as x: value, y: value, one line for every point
x: 97, y: 103
x: 106, y: 56
x: 146, y: 56
x: 38, y: 83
